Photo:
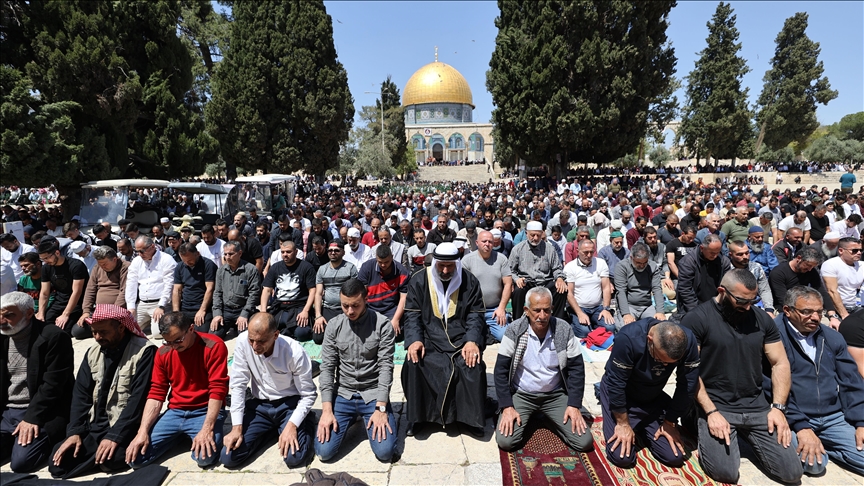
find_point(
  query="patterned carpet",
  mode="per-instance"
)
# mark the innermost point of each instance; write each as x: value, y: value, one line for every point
x: 545, y: 460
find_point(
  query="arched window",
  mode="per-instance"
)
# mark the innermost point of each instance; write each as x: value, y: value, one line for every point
x: 419, y: 142
x: 456, y: 141
x: 437, y: 138
x: 475, y: 142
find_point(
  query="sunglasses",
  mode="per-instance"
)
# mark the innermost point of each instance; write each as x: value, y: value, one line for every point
x: 740, y: 300
x: 854, y: 251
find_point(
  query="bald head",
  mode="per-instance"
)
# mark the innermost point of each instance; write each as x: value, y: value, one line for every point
x: 262, y: 333
x: 262, y: 322
x: 234, y: 235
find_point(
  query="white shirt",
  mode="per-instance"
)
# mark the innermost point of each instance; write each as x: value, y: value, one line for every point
x: 150, y: 280
x: 286, y: 372
x: 11, y: 259
x: 789, y: 222
x: 359, y: 257
x: 212, y: 252
x: 807, y: 343
x: 844, y: 229
x: 538, y: 370
x: 587, y: 281
x: 8, y: 283
x: 56, y: 232
x: 849, y: 278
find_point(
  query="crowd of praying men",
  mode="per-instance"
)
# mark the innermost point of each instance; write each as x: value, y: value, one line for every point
x: 750, y: 296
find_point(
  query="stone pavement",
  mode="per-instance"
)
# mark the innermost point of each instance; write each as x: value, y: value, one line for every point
x: 432, y: 457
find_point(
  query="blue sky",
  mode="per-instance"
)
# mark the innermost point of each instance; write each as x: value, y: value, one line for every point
x: 375, y: 39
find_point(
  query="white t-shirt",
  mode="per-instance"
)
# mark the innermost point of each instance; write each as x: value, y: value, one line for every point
x: 211, y: 252
x: 849, y: 278
x: 587, y: 288
x: 789, y: 222
x: 844, y: 229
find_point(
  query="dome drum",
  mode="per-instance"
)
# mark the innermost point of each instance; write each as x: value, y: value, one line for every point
x: 438, y: 113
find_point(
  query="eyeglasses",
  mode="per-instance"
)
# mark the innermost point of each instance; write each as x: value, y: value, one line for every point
x: 853, y: 251
x: 334, y: 250
x: 740, y: 300
x: 654, y: 356
x: 810, y: 312
x: 177, y: 341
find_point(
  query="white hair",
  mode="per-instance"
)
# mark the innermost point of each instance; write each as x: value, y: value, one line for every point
x: 18, y: 299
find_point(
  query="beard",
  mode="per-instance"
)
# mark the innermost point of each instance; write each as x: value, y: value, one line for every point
x: 757, y: 247
x: 829, y: 253
x: 730, y: 313
x: 15, y: 328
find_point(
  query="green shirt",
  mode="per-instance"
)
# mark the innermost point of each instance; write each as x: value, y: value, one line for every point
x: 33, y: 287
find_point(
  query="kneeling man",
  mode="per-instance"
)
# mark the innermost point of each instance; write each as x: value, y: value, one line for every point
x: 645, y: 354
x: 540, y: 369
x: 109, y: 395
x: 356, y: 375
x: 280, y: 373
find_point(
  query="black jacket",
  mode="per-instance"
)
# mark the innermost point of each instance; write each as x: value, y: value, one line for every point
x: 50, y: 378
x: 698, y: 276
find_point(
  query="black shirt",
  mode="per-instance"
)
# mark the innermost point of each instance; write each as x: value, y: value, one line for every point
x: 316, y: 260
x: 252, y: 250
x: 291, y: 284
x: 194, y: 281
x: 731, y: 355
x: 61, y: 278
x: 679, y: 249
x: 782, y: 278
x: 818, y: 226
x: 852, y: 329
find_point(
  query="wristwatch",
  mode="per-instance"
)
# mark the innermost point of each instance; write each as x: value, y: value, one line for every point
x: 383, y: 408
x: 833, y: 315
x: 779, y: 406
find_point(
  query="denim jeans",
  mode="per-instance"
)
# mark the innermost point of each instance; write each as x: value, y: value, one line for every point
x: 594, y: 320
x: 495, y: 330
x: 722, y: 463
x: 260, y: 418
x: 346, y: 412
x: 838, y: 439
x: 22, y: 459
x: 174, y: 423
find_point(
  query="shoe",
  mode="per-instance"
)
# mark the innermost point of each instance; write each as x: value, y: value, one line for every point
x: 412, y: 429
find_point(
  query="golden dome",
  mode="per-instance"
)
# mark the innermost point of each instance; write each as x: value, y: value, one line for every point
x: 437, y: 82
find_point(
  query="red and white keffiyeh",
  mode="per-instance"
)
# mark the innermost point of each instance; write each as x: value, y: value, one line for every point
x: 119, y: 314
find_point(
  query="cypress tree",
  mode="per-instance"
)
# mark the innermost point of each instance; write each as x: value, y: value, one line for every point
x: 716, y: 119
x: 793, y: 86
x: 280, y: 96
x: 580, y: 81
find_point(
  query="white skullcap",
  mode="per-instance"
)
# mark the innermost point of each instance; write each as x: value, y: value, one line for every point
x: 77, y: 246
x: 616, y: 224
x: 534, y: 226
x: 163, y: 220
x: 353, y: 233
x: 831, y: 235
x: 496, y: 233
x: 446, y: 252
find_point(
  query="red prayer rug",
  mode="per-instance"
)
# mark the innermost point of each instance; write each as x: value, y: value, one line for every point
x: 546, y: 460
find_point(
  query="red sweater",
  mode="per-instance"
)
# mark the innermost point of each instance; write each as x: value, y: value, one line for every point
x: 194, y: 376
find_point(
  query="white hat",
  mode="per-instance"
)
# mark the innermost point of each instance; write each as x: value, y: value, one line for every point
x: 803, y: 194
x: 164, y: 220
x: 446, y: 251
x: 534, y: 226
x: 616, y: 224
x: 78, y: 246
x: 832, y: 235
x: 353, y: 233
x: 496, y: 233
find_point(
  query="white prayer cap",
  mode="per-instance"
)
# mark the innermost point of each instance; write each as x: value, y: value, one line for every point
x: 164, y: 220
x: 78, y: 246
x: 534, y: 226
x: 831, y: 235
x: 353, y: 233
x: 496, y: 233
x: 446, y: 252
x: 616, y: 224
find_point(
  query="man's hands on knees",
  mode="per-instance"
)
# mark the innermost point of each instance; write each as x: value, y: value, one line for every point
x: 416, y: 352
x: 670, y: 431
x: 577, y: 422
x: 288, y: 440
x: 234, y: 439
x: 138, y: 446
x: 624, y: 437
x: 505, y: 423
x: 777, y: 421
x: 719, y: 427
x: 810, y: 448
x: 471, y: 354
x: 327, y: 422
x: 72, y: 441
x: 204, y: 445
x: 26, y: 433
x: 379, y: 421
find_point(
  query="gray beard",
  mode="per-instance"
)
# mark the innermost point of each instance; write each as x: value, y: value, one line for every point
x: 828, y: 252
x: 757, y: 247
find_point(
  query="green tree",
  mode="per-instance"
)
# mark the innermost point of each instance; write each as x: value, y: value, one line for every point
x: 659, y: 155
x: 394, y: 125
x: 280, y: 96
x: 579, y: 81
x: 38, y: 139
x: 205, y: 33
x: 850, y: 126
x: 716, y: 119
x: 793, y: 86
x: 123, y: 64
x: 830, y: 149
x: 785, y: 154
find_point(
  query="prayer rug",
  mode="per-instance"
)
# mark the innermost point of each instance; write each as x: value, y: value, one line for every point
x: 545, y: 460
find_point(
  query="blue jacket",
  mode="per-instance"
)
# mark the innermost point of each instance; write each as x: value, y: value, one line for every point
x: 767, y: 259
x: 832, y: 384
